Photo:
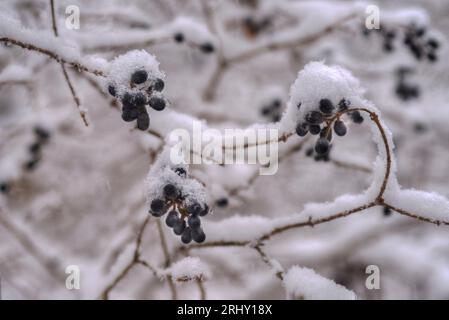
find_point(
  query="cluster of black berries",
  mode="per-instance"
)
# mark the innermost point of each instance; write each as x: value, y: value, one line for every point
x: 404, y: 89
x: 184, y: 219
x: 321, y: 122
x: 420, y: 45
x: 205, y: 47
x: 272, y: 110
x: 414, y: 39
x: 134, y: 103
x: 35, y: 149
x: 253, y: 26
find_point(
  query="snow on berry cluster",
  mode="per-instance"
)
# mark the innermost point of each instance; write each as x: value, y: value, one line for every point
x: 135, y: 79
x: 171, y: 190
x: 319, y: 99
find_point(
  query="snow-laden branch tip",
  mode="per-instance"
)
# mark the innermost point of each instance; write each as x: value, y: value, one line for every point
x: 188, y: 269
x: 306, y: 284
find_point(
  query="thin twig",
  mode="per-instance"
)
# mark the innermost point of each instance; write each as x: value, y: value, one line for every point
x: 167, y: 259
x: 64, y: 71
x: 75, y: 64
x: 135, y: 260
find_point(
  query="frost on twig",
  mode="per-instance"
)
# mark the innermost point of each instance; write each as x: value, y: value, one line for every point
x: 306, y: 284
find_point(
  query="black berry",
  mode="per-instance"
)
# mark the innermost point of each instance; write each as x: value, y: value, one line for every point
x: 111, y: 90
x: 129, y: 114
x: 356, y: 117
x: 194, y: 221
x: 322, y: 146
x: 179, y: 37
x: 340, y: 128
x: 222, y: 202
x: 158, y: 207
x: 314, y: 129
x: 172, y: 218
x: 194, y: 208
x: 130, y: 100
x: 5, y: 187
x: 301, y: 129
x: 433, y: 43
x: 314, y: 117
x: 186, y: 236
x: 326, y: 106
x: 198, y: 235
x: 139, y: 76
x: 143, y: 121
x: 157, y: 103
x: 159, y: 85
x: 171, y: 192
x: 207, y: 47
x: 179, y: 227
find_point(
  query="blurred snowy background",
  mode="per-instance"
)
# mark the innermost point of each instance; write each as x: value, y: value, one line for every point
x: 75, y: 195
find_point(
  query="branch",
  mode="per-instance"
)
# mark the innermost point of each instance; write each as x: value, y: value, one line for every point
x: 225, y: 63
x: 133, y: 262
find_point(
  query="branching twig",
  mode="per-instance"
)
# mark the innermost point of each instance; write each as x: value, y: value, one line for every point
x: 225, y: 63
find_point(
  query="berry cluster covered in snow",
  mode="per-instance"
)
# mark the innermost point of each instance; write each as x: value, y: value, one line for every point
x: 320, y: 99
x: 135, y: 79
x: 171, y: 191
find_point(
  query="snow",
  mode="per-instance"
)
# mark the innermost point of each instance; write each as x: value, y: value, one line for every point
x: 121, y: 68
x: 306, y: 284
x: 189, y: 269
x: 192, y: 30
x: 69, y: 51
x: 14, y: 72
